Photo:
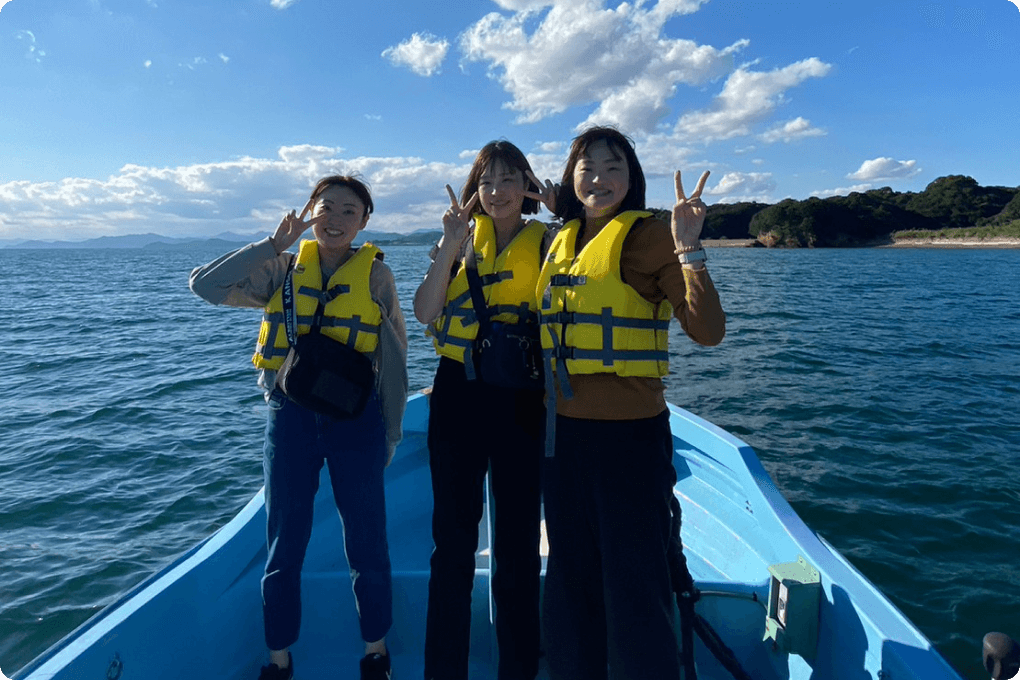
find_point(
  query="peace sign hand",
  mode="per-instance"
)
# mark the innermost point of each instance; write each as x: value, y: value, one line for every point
x: 292, y: 226
x: 688, y: 214
x: 546, y: 193
x: 457, y: 220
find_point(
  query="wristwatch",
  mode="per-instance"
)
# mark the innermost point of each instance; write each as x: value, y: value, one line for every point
x: 696, y: 256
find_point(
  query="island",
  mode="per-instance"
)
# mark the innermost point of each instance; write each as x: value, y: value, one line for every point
x: 951, y: 211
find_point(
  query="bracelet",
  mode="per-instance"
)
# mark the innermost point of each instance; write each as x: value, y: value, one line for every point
x: 698, y: 255
x: 687, y: 249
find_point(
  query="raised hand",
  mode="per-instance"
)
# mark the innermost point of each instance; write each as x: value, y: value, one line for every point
x: 457, y: 219
x: 688, y: 214
x: 292, y: 226
x: 546, y: 193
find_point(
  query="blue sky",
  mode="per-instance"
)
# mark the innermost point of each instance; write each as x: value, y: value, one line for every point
x: 191, y: 118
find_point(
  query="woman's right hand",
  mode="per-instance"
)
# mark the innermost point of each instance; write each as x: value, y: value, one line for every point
x: 431, y: 294
x: 292, y: 226
x: 457, y: 220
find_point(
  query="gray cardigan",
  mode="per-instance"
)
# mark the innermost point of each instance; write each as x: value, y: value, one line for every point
x: 250, y: 276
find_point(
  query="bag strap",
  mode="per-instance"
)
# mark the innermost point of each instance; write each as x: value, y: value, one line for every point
x: 477, y: 298
x: 289, y: 311
x: 481, y: 309
x: 289, y: 315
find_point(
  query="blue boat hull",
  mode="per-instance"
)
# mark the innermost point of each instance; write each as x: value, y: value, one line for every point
x: 205, y: 609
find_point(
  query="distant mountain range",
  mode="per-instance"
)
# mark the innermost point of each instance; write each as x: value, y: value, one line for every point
x: 225, y: 241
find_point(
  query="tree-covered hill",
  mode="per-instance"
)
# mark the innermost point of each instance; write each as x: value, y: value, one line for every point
x: 865, y: 218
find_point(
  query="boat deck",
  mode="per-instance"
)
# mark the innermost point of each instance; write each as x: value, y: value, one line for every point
x: 206, y: 607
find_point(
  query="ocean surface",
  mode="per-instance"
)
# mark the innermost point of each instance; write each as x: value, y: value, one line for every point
x: 880, y: 388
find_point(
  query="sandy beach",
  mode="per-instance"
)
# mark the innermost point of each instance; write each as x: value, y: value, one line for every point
x: 953, y: 243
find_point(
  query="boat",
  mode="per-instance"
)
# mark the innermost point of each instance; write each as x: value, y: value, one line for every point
x: 777, y: 602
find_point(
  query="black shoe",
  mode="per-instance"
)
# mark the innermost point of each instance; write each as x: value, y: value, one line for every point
x: 274, y: 672
x: 376, y: 667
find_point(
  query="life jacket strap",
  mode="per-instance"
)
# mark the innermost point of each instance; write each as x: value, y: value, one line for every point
x: 495, y: 277
x: 325, y: 296
x: 354, y: 325
x: 567, y: 280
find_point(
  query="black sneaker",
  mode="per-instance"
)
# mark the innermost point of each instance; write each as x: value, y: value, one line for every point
x: 274, y: 672
x: 376, y: 667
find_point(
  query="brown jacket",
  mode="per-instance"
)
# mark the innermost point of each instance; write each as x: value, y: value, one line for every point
x: 649, y: 265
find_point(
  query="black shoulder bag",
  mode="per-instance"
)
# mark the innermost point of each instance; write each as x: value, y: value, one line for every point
x: 320, y: 373
x: 506, y: 355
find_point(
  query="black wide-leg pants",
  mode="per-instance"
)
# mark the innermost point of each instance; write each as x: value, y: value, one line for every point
x: 608, y: 608
x: 476, y: 429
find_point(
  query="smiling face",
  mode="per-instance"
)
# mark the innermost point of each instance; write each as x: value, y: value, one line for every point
x: 345, y: 217
x: 501, y: 191
x: 601, y: 180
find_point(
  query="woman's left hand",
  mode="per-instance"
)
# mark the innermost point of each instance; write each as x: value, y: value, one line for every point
x: 688, y: 214
x: 546, y: 193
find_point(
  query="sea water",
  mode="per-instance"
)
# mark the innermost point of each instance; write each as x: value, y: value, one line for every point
x: 880, y: 388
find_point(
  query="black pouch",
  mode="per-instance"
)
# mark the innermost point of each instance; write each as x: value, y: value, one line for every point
x: 510, y: 355
x: 326, y: 376
x: 320, y: 373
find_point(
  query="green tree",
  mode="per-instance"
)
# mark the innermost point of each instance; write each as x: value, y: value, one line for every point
x: 957, y: 201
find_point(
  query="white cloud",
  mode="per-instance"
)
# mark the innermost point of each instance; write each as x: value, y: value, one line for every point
x: 147, y: 63
x: 194, y: 63
x: 224, y: 58
x: 2, y: 3
x: 747, y: 98
x: 842, y: 191
x: 885, y: 168
x: 244, y: 195
x: 422, y: 53
x: 735, y: 187
x: 622, y: 66
x: 791, y: 130
x: 281, y: 4
x: 582, y: 53
x: 32, y: 52
x: 523, y: 5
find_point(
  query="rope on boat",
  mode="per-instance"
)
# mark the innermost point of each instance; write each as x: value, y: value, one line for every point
x: 690, y: 621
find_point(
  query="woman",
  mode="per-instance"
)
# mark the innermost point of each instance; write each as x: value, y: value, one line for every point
x: 332, y: 285
x: 615, y: 271
x: 476, y: 427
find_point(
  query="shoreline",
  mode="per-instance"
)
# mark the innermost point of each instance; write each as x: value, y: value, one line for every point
x: 967, y: 243
x: 994, y: 242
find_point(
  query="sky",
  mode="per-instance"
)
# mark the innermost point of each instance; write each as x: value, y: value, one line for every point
x: 194, y: 118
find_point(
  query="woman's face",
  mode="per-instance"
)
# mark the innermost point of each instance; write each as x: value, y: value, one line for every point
x: 601, y: 180
x: 501, y: 191
x: 345, y: 217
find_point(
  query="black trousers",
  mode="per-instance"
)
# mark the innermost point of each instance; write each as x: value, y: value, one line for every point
x: 476, y: 429
x: 608, y: 608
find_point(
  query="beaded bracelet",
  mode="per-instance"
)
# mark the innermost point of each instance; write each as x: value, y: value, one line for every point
x: 688, y: 249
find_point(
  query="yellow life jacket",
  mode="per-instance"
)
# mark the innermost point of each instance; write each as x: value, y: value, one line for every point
x: 349, y: 315
x: 508, y: 285
x: 593, y: 322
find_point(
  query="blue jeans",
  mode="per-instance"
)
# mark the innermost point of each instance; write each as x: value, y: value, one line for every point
x: 297, y: 442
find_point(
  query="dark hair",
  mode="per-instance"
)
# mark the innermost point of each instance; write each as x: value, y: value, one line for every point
x: 353, y: 183
x: 499, y: 151
x: 568, y: 206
